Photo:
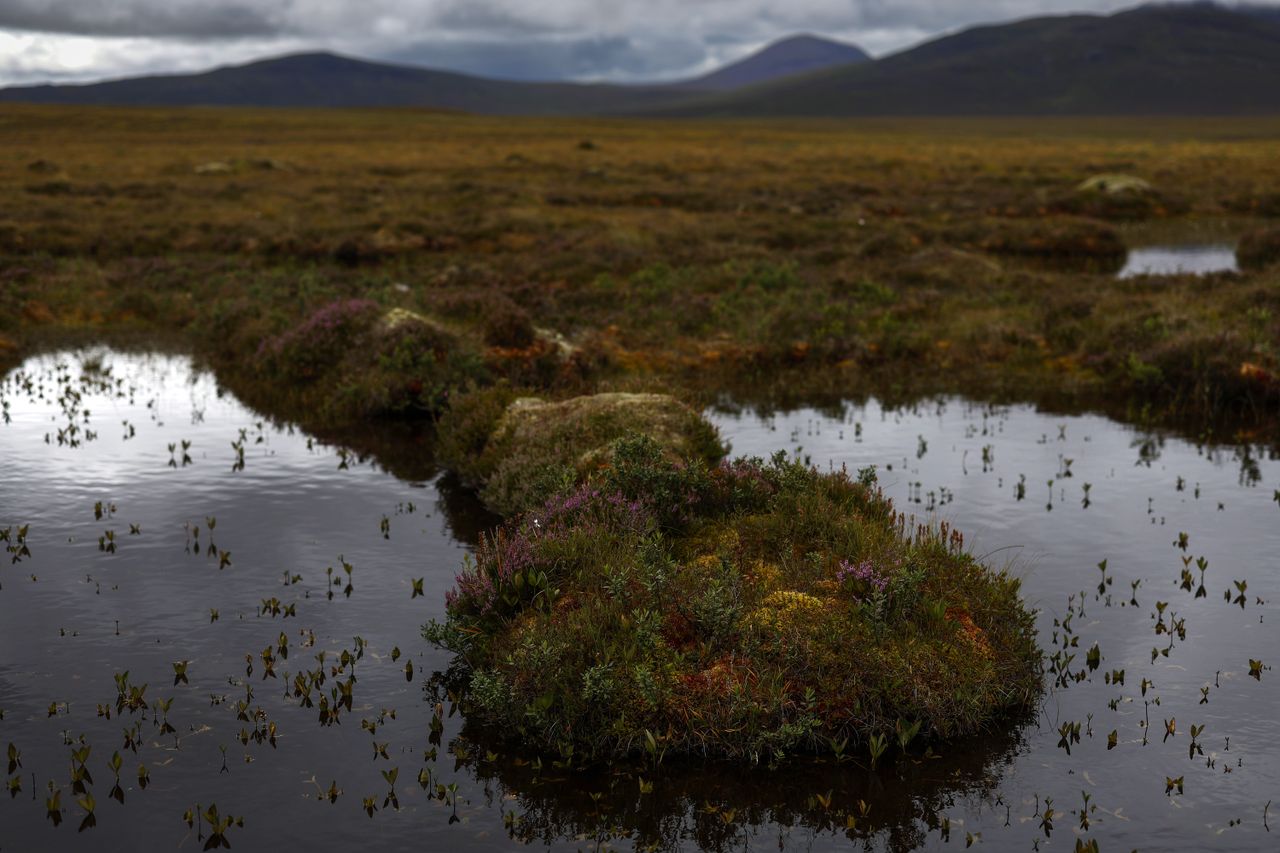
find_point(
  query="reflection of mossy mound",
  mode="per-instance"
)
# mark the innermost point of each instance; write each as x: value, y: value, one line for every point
x: 712, y: 806
x: 1259, y: 249
x: 747, y: 610
x: 518, y: 452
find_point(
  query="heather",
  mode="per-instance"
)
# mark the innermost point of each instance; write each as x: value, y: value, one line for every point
x: 350, y: 359
x: 749, y: 610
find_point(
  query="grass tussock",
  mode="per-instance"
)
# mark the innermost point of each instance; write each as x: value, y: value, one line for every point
x: 746, y: 610
x: 1259, y: 249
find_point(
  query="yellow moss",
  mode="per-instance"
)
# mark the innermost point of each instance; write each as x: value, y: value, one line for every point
x: 785, y: 611
x: 766, y: 576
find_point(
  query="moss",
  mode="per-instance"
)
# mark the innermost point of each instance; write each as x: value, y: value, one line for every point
x: 535, y: 447
x: 349, y: 359
x: 782, y: 611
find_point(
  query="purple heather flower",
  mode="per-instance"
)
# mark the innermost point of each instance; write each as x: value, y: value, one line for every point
x: 864, y: 572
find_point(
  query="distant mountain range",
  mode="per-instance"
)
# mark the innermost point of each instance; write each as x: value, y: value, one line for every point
x: 328, y: 80
x: 1197, y: 59
x: 786, y: 58
x: 1187, y: 59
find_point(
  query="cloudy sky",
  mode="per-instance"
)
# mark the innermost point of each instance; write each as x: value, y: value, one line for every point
x: 66, y: 40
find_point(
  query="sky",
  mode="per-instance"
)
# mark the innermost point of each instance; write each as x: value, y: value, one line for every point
x: 622, y: 40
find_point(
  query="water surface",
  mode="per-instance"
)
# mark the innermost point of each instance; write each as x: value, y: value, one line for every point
x: 87, y: 451
x: 1180, y: 259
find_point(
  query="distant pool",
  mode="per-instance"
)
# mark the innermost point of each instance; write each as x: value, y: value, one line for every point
x: 1200, y: 259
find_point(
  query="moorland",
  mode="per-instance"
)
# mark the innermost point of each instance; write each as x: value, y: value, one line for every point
x: 774, y: 261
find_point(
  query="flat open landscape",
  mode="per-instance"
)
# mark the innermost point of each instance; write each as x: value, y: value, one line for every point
x: 283, y: 532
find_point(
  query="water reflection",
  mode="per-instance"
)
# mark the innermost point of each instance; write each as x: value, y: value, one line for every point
x: 87, y: 452
x: 1179, y: 260
x: 813, y: 805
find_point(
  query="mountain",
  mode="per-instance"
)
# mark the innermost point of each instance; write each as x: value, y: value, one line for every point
x: 1189, y: 59
x: 1199, y: 59
x: 328, y: 80
x: 795, y: 55
x: 1269, y: 13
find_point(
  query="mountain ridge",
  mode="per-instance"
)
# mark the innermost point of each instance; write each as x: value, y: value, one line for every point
x: 785, y: 57
x: 1180, y: 59
x: 1196, y: 59
x: 327, y: 79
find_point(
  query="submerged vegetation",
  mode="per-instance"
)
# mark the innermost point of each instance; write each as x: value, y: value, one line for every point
x: 744, y: 610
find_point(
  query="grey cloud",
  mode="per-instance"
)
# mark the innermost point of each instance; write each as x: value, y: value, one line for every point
x: 178, y: 18
x: 493, y: 19
x: 521, y: 39
x: 612, y: 57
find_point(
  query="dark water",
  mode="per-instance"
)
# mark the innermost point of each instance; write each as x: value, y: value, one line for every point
x: 1180, y: 259
x: 72, y: 615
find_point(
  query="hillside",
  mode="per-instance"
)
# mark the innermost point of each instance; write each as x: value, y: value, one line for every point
x: 795, y: 55
x: 1154, y: 60
x: 328, y: 80
x: 1198, y: 59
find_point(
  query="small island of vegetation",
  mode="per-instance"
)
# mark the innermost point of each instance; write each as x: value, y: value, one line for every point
x: 745, y: 610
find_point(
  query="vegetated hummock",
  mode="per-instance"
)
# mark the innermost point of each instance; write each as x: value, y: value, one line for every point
x: 518, y: 452
x: 1259, y: 249
x: 745, y: 610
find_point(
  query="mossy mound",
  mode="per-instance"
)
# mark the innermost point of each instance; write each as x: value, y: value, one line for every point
x: 943, y: 264
x: 746, y: 610
x: 1118, y: 197
x: 1116, y: 184
x: 351, y: 359
x: 518, y: 451
x: 1259, y: 249
x: 1061, y: 241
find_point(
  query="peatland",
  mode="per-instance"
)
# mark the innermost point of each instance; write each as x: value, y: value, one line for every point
x: 774, y: 260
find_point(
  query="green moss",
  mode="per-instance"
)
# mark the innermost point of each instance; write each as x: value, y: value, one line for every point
x: 520, y: 451
x: 780, y: 610
x: 350, y: 359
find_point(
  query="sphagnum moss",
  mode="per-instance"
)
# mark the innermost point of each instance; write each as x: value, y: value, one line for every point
x: 771, y: 610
